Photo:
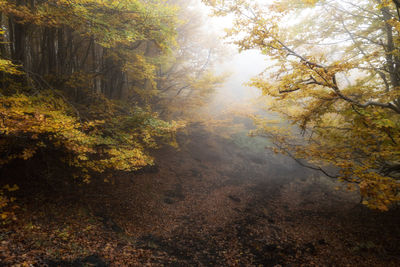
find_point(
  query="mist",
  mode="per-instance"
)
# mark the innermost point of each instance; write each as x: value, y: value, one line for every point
x: 130, y: 136
x: 240, y: 68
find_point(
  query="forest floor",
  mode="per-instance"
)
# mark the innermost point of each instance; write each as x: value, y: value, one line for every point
x: 211, y: 203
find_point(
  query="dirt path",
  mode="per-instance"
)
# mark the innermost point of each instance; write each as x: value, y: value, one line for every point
x: 213, y: 203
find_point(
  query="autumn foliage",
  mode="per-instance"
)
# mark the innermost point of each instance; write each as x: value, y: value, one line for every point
x: 76, y: 79
x: 334, y: 76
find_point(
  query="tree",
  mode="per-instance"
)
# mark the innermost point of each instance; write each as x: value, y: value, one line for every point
x: 75, y: 77
x: 334, y: 76
x: 108, y: 42
x: 70, y: 73
x: 186, y: 78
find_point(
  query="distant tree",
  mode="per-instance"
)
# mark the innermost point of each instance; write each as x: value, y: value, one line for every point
x: 334, y: 76
x: 186, y: 78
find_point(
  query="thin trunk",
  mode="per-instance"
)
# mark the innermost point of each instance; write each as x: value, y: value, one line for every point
x: 51, y: 51
x: 11, y: 34
x: 61, y: 52
x: 392, y: 61
x: 3, y: 50
x: 20, y: 40
x: 97, y: 67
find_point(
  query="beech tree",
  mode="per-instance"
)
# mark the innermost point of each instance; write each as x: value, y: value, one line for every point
x: 107, y: 44
x: 334, y: 76
x: 84, y: 83
x: 75, y: 77
x: 186, y: 78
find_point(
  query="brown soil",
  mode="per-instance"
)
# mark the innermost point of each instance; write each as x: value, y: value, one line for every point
x: 211, y: 203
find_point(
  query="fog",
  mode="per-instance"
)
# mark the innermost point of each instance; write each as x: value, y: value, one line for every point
x: 124, y: 137
x: 235, y: 101
x: 237, y: 67
x: 241, y: 67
